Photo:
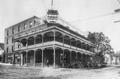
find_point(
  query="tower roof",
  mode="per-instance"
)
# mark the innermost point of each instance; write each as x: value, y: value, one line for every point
x: 52, y: 12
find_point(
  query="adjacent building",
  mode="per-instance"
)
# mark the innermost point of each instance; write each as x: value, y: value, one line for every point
x: 46, y: 42
x: 1, y: 51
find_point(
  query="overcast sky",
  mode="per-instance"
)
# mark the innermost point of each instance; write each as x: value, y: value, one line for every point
x: 87, y: 15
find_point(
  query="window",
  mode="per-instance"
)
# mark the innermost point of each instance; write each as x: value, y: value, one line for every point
x: 34, y: 22
x: 7, y: 41
x: 18, y: 28
x: 12, y: 30
x: 18, y: 45
x: 25, y: 26
x: 7, y: 50
x: 12, y: 39
x: 31, y: 24
x: 12, y: 48
x: 7, y: 33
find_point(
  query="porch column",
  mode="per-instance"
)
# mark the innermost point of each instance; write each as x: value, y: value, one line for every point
x: 21, y: 59
x: 26, y: 58
x: 54, y: 55
x: 6, y: 58
x: 76, y: 57
x: 70, y: 57
x: 54, y: 49
x: 34, y: 50
x: 63, y: 39
x: 34, y: 58
x: 63, y: 59
x: 70, y: 42
x: 13, y: 59
x: 42, y: 59
x: 27, y: 42
x: 42, y: 49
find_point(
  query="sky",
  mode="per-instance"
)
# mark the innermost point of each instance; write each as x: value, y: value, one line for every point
x: 85, y: 15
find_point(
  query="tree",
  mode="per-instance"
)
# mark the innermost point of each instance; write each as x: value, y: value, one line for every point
x: 101, y: 46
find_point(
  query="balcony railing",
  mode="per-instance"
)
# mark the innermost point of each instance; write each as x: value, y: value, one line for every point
x: 52, y: 43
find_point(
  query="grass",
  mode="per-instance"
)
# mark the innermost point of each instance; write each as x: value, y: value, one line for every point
x: 15, y: 72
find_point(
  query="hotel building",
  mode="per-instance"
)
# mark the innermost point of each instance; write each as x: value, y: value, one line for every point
x: 46, y: 42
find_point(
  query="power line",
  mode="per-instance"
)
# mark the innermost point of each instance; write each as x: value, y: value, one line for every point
x: 117, y: 11
x: 52, y: 4
x: 94, y: 17
x: 72, y: 26
x: 118, y: 1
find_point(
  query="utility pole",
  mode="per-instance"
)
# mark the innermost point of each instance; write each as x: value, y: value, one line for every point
x: 117, y: 11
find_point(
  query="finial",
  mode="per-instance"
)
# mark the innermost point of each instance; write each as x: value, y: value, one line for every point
x: 51, y: 4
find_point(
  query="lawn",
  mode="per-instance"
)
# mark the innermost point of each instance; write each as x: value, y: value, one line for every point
x: 17, y: 72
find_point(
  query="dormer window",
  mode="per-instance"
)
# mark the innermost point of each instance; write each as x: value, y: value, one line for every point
x: 12, y: 30
x: 34, y: 22
x: 18, y: 28
x: 25, y: 26
x: 31, y: 24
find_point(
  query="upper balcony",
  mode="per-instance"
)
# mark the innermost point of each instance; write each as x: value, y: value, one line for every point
x: 51, y: 43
